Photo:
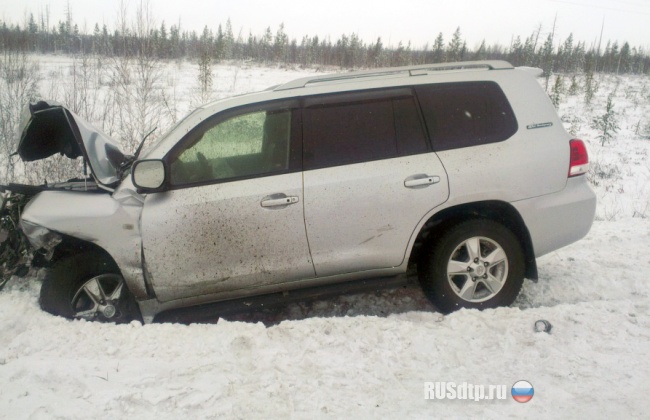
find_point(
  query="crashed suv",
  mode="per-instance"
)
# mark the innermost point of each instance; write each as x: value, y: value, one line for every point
x: 461, y: 171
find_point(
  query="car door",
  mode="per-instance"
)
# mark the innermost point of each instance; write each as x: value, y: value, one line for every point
x: 370, y: 178
x: 233, y: 217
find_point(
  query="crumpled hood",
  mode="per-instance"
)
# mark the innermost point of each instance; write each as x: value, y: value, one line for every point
x: 47, y: 128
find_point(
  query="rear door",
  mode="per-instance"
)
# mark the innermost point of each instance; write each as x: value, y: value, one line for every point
x: 369, y: 178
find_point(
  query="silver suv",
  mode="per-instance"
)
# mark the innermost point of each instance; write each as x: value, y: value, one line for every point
x: 461, y: 170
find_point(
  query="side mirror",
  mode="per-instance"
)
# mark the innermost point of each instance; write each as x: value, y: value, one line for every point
x: 148, y: 175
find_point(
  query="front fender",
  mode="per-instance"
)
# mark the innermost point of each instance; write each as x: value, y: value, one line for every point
x: 98, y: 218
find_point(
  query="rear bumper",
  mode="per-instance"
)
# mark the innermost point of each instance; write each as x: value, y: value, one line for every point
x: 556, y: 220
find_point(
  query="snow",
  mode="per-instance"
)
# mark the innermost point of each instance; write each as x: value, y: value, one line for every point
x: 368, y: 355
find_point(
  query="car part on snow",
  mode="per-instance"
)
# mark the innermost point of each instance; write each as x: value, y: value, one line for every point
x: 543, y: 326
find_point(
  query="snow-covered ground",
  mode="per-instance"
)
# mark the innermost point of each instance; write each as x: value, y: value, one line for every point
x: 369, y: 355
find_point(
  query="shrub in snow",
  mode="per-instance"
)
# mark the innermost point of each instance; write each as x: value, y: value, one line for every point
x: 607, y: 123
x: 557, y: 91
x: 576, y: 125
x: 574, y: 88
x: 599, y: 171
x: 591, y: 86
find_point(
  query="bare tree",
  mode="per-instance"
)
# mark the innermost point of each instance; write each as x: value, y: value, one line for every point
x: 19, y: 78
x: 135, y: 79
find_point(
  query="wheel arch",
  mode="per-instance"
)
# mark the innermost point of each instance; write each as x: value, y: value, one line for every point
x: 70, y: 245
x: 73, y: 264
x: 498, y: 211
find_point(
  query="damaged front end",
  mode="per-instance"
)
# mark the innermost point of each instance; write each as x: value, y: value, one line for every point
x: 43, y: 223
x: 16, y: 253
x: 48, y: 128
x: 22, y: 246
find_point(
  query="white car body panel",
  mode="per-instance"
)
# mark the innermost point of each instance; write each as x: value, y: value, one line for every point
x: 559, y: 219
x: 365, y: 234
x: 110, y: 222
x: 215, y: 238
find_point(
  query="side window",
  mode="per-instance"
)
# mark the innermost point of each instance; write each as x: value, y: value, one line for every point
x: 255, y: 143
x: 408, y: 127
x: 466, y: 114
x: 359, y: 127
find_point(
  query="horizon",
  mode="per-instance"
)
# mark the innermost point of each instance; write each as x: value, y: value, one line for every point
x: 625, y: 21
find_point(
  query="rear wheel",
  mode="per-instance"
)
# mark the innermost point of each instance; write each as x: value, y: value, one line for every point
x: 475, y: 264
x: 87, y: 286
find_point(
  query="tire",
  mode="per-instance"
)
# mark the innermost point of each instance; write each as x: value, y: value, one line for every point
x: 454, y: 275
x: 87, y: 286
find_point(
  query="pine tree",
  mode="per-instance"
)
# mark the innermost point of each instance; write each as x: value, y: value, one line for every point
x: 578, y: 57
x: 266, y: 45
x: 481, y: 53
x: 439, y: 49
x: 280, y: 44
x: 575, y: 86
x: 546, y: 58
x: 32, y: 27
x: 454, y: 51
x: 374, y: 54
x: 96, y: 40
x: 607, y: 123
x: 516, y: 53
x: 163, y: 48
x: 206, y: 43
x: 624, y: 59
x: 175, y: 42
x: 567, y: 55
x: 205, y: 76
x: 219, y: 51
x: 590, y: 84
x: 557, y: 91
x: 228, y: 41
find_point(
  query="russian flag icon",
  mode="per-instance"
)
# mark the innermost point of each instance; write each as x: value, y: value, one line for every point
x: 522, y: 391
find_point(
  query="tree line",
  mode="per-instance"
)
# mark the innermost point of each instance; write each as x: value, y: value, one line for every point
x: 348, y: 51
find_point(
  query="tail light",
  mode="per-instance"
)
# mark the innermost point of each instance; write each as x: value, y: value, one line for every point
x: 579, y: 161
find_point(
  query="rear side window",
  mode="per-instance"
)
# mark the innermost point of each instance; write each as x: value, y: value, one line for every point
x: 358, y: 127
x: 466, y: 114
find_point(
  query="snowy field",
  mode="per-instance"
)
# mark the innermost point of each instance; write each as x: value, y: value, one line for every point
x: 369, y: 355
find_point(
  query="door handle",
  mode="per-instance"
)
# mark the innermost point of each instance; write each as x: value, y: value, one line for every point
x: 278, y: 200
x: 421, y: 180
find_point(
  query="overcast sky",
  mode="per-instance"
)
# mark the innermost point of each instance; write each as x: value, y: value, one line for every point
x: 398, y: 20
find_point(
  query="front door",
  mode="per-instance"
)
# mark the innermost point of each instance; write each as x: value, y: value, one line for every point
x: 233, y: 218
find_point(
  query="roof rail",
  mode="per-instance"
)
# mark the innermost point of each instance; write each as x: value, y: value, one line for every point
x: 411, y: 70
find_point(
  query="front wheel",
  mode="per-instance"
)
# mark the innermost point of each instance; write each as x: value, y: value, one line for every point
x: 87, y: 286
x: 475, y: 264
